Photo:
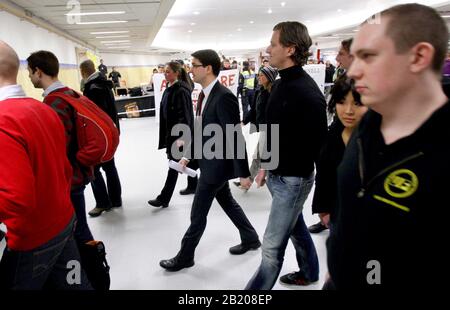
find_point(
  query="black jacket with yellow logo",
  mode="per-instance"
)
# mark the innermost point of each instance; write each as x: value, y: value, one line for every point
x: 393, y: 203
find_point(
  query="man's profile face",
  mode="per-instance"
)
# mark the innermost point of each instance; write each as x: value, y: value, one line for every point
x: 34, y: 77
x: 344, y: 58
x: 279, y: 54
x: 198, y: 71
x: 382, y: 76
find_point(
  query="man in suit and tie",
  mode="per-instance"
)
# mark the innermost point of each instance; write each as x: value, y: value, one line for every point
x: 217, y: 106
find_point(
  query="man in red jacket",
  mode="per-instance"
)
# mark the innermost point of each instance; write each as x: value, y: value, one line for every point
x: 35, y: 180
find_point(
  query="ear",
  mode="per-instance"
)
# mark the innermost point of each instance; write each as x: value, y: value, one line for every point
x: 209, y: 69
x: 291, y: 50
x: 39, y: 72
x: 422, y: 55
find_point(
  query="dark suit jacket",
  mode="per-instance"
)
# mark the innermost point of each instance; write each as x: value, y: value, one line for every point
x: 221, y: 108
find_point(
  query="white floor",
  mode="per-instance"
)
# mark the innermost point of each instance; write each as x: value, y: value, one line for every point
x: 138, y: 236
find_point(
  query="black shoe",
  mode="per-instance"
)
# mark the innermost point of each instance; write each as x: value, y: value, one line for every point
x: 243, y: 248
x: 157, y: 203
x: 174, y: 264
x: 295, y: 278
x: 187, y: 191
x: 317, y: 228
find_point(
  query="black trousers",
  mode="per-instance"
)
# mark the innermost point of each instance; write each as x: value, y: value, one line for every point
x: 203, y: 199
x: 247, y: 100
x: 110, y: 194
x: 171, y: 181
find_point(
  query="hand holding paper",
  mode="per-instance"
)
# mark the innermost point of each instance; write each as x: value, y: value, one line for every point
x: 182, y: 169
x: 261, y: 178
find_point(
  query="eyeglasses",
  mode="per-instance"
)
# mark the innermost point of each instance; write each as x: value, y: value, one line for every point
x: 196, y: 66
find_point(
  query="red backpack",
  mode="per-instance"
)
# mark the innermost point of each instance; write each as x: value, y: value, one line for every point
x: 97, y: 135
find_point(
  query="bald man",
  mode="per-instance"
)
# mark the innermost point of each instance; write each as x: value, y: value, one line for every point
x: 35, y: 180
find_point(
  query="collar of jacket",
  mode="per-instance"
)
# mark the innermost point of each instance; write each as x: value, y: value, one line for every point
x: 437, y: 122
x: 291, y: 73
x: 93, y: 76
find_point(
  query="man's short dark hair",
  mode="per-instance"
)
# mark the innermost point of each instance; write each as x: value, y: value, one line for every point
x: 295, y: 34
x: 208, y: 58
x: 412, y: 23
x: 346, y: 44
x: 87, y: 66
x: 44, y: 60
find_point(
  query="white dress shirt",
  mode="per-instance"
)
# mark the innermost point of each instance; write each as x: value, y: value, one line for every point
x: 11, y: 91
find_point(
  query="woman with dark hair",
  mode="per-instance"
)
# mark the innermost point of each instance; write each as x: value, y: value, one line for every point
x: 346, y: 103
x: 257, y: 116
x: 176, y: 108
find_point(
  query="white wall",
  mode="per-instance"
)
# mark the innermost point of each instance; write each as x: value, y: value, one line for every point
x: 26, y: 38
x: 130, y: 60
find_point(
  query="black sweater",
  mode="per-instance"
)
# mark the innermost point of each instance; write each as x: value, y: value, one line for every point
x: 298, y: 106
x: 392, y: 206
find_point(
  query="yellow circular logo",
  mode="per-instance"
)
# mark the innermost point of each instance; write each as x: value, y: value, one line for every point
x: 401, y: 183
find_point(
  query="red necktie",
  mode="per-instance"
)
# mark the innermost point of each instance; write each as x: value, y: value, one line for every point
x: 199, y: 103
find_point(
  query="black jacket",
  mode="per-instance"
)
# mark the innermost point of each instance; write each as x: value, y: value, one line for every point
x: 257, y: 114
x: 99, y: 90
x: 329, y: 72
x: 176, y: 108
x: 325, y: 195
x: 222, y: 109
x: 298, y: 106
x: 391, y: 199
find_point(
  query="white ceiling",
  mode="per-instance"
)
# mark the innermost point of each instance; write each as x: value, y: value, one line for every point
x: 144, y: 19
x: 167, y: 25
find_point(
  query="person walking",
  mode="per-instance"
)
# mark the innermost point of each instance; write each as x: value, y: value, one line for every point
x: 176, y: 108
x: 217, y: 106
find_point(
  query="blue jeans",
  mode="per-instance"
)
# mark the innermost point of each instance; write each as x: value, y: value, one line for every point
x: 82, y: 232
x: 45, y: 267
x: 286, y: 221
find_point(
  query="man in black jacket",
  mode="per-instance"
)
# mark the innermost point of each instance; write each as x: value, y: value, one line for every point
x: 99, y: 90
x: 102, y: 68
x: 217, y: 107
x: 393, y: 179
x: 297, y: 106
